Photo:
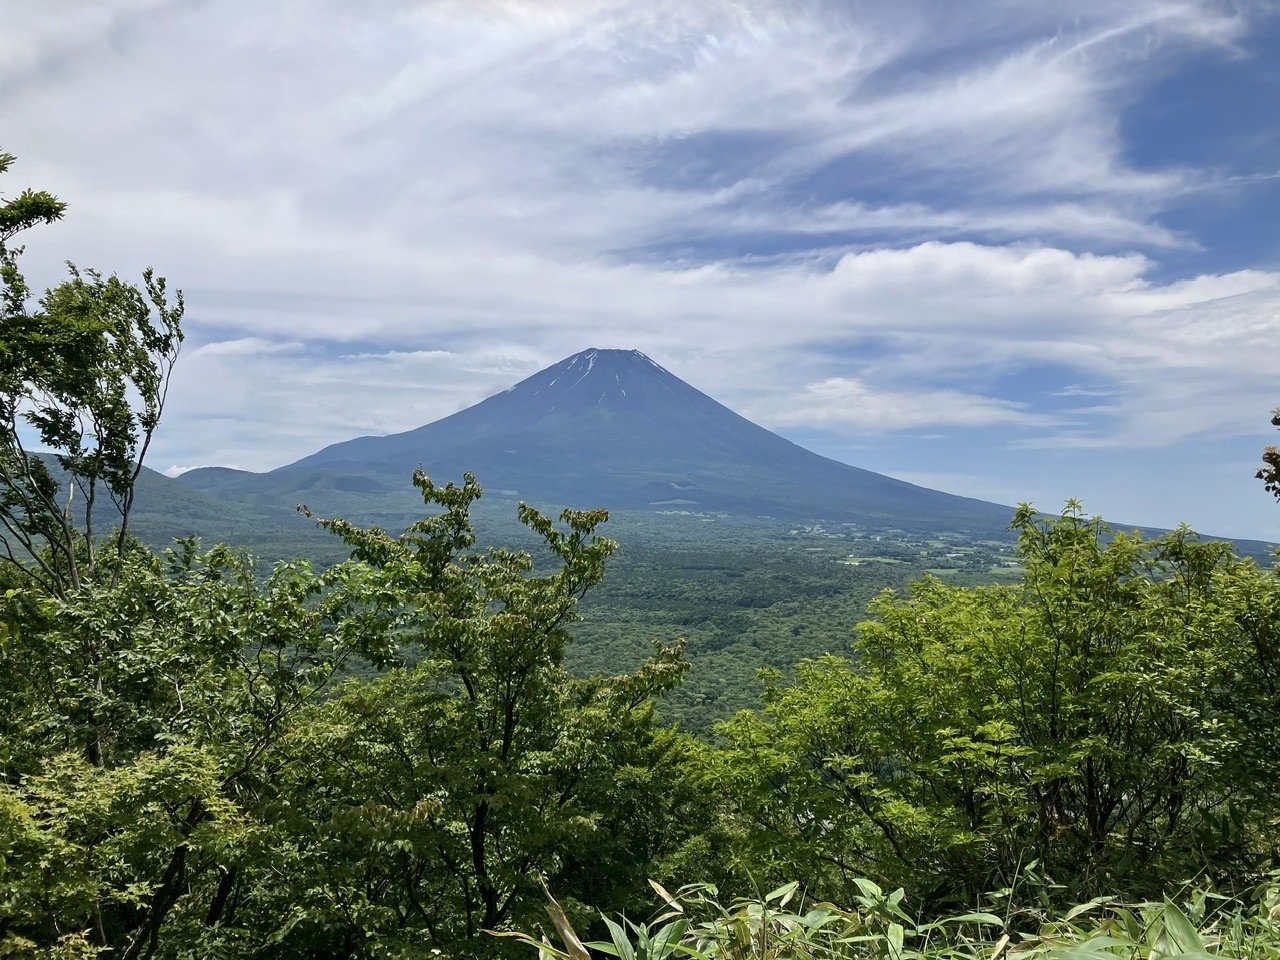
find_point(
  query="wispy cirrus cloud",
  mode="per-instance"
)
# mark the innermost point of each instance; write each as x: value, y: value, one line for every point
x: 849, y: 402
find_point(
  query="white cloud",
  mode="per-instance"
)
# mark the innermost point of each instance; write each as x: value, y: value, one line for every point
x: 261, y: 408
x: 1065, y: 220
x: 177, y: 469
x: 847, y: 401
x: 242, y: 347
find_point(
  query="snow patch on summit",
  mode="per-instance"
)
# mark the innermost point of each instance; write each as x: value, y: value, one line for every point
x: 623, y: 365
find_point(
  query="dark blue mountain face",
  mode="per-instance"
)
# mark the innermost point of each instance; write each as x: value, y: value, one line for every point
x: 612, y: 428
x: 621, y: 395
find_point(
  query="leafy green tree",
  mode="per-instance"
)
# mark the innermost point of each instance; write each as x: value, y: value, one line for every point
x: 1113, y: 717
x: 142, y: 696
x: 84, y: 376
x: 1269, y: 472
x: 29, y: 208
x: 198, y: 669
x: 425, y: 801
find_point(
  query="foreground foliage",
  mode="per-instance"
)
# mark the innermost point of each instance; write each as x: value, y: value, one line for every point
x: 696, y: 923
x: 1114, y: 717
x: 142, y: 725
x: 421, y: 801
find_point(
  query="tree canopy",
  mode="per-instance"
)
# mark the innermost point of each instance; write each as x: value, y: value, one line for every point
x: 1112, y: 717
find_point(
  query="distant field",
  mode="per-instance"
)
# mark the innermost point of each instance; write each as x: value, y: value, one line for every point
x: 753, y: 595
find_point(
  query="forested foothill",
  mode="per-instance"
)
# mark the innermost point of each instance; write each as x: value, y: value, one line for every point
x: 1067, y: 749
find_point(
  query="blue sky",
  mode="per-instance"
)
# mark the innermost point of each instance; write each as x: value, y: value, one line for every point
x: 1014, y: 250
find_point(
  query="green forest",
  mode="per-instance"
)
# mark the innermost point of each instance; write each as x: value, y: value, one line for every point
x: 419, y: 751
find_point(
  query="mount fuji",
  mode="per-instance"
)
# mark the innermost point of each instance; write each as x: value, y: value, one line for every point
x: 605, y: 428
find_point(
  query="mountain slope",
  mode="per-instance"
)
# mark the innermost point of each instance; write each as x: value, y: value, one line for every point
x: 608, y: 428
x: 167, y: 508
